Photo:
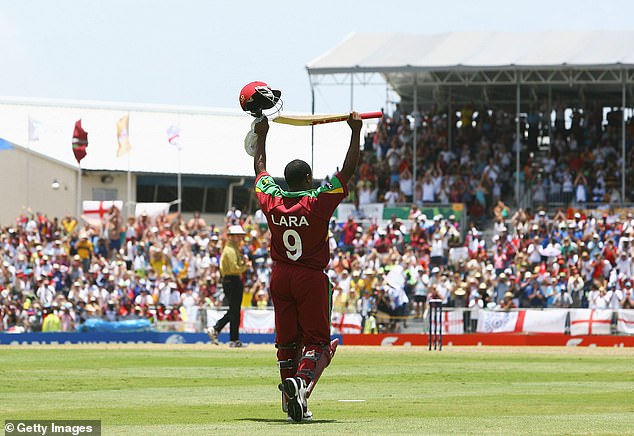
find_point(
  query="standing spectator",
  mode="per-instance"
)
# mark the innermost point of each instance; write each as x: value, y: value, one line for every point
x: 45, y: 292
x: 420, y: 291
x: 428, y: 187
x: 581, y: 188
x: 114, y: 226
x: 84, y: 249
x: 628, y: 296
x: 406, y: 185
x: 394, y: 195
x: 197, y: 223
x: 349, y: 232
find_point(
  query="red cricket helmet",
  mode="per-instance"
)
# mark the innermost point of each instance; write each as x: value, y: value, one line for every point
x: 257, y: 96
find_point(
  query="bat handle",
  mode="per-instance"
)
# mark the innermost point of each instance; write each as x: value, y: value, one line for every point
x: 368, y: 115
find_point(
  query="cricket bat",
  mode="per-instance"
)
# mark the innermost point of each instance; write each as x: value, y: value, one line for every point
x: 312, y: 120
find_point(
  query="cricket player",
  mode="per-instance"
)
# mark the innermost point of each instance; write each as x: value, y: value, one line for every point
x: 300, y: 289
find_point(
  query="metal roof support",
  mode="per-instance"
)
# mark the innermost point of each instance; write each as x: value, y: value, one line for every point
x: 233, y: 185
x: 312, y: 128
x: 351, y: 91
x: 449, y: 119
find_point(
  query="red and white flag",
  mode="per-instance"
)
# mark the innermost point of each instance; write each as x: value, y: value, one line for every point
x: 257, y: 321
x: 590, y: 321
x: 452, y: 322
x: 345, y: 323
x: 625, y: 323
x: 80, y: 141
x: 523, y: 321
x: 174, y: 136
x: 95, y: 212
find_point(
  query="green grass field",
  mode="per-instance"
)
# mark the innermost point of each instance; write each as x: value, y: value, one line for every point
x: 206, y: 390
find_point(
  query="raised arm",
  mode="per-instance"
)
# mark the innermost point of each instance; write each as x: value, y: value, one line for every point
x: 352, y: 157
x: 259, y: 158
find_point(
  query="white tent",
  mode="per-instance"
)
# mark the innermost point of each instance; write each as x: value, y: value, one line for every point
x: 471, y: 61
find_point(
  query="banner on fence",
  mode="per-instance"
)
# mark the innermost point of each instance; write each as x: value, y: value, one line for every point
x: 498, y: 322
x: 545, y: 321
x: 452, y: 322
x: 590, y: 321
x: 258, y: 321
x: 251, y: 320
x: 345, y: 323
x: 523, y: 321
x: 625, y: 321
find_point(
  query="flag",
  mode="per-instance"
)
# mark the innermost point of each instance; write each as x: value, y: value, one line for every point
x: 348, y: 323
x: 123, y: 138
x: 453, y: 322
x: 625, y: 322
x: 94, y: 212
x: 153, y: 210
x: 523, y: 321
x: 80, y: 141
x: 5, y: 145
x: 545, y: 321
x: 257, y: 321
x: 590, y: 321
x: 34, y: 129
x: 498, y: 322
x: 174, y: 135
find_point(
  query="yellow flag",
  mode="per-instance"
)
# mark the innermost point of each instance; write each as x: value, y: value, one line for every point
x: 123, y: 138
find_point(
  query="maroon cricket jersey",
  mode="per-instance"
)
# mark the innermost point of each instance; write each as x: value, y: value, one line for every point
x: 299, y: 220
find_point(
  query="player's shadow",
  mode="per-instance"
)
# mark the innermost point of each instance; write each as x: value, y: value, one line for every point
x: 284, y: 421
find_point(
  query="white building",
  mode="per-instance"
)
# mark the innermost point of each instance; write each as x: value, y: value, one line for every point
x: 40, y: 173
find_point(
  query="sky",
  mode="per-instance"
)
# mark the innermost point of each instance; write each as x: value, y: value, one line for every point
x: 201, y: 53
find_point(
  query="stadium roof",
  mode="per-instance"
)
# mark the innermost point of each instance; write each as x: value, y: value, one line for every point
x: 598, y: 62
x: 212, y: 139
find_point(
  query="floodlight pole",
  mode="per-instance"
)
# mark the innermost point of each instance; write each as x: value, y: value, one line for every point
x: 180, y: 200
x: 415, y: 140
x: 79, y: 188
x: 518, y: 143
x: 623, y: 155
x: 129, y: 186
x: 449, y: 120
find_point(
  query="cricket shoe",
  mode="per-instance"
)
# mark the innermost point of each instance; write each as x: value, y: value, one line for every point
x: 237, y: 344
x: 295, y: 390
x: 213, y: 335
x: 307, y: 417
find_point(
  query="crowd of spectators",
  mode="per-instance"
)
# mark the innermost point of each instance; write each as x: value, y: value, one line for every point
x: 474, y: 162
x: 386, y: 272
x: 584, y: 163
x: 56, y: 273
x: 144, y: 268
